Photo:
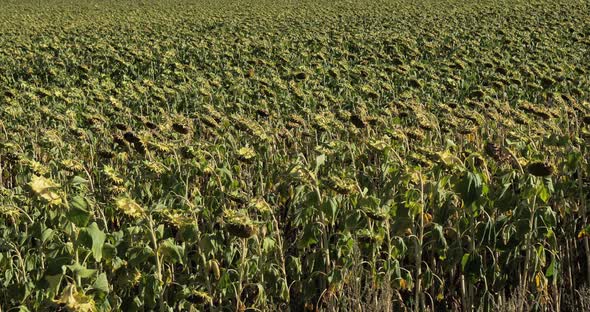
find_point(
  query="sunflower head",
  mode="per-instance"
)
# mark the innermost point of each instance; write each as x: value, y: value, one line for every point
x: 341, y: 185
x: 246, y: 154
x: 129, y: 207
x: 199, y: 297
x: 180, y: 128
x: 540, y: 169
x: 237, y: 223
x: 46, y: 189
x: 73, y: 300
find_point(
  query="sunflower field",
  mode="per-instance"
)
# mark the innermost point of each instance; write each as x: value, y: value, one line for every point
x: 313, y: 155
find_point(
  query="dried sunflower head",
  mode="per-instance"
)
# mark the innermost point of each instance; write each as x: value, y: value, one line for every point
x: 188, y: 152
x: 237, y: 223
x: 415, y: 134
x: 35, y: 166
x: 424, y: 122
x: 262, y: 112
x: 296, y: 120
x: 298, y: 173
x: 155, y: 167
x: 129, y: 207
x: 76, y: 301
x: 107, y: 154
x: 540, y: 169
x: 358, y: 121
x: 181, y: 128
x: 177, y: 218
x: 238, y: 197
x: 341, y: 185
x: 246, y: 154
x: 112, y: 174
x: 199, y: 297
x: 46, y: 189
x: 380, y: 144
x: 371, y: 206
x: 497, y: 152
x: 121, y: 126
x: 209, y: 121
x: 419, y: 159
x: 365, y: 236
x: 260, y: 205
x: 72, y: 165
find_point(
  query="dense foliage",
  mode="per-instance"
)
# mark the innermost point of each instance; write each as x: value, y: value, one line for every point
x: 273, y: 155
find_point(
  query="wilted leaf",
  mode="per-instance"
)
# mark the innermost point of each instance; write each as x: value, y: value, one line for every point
x: 171, y: 251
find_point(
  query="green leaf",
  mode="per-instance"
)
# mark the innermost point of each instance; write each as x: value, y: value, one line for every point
x: 472, y: 266
x: 81, y: 270
x: 79, y: 202
x: 55, y: 266
x: 464, y: 261
x: 46, y: 235
x: 330, y: 209
x: 438, y: 236
x: 268, y: 244
x: 552, y: 269
x: 152, y: 289
x: 109, y: 251
x: 101, y: 283
x: 309, y: 235
x: 138, y: 255
x: 78, y: 180
x: 403, y: 219
x: 548, y: 216
x: 209, y: 244
x: 117, y: 263
x: 97, y: 237
x: 399, y: 247
x: 294, y: 266
x: 171, y: 251
x: 470, y: 187
x: 370, y: 202
x: 543, y: 193
x: 53, y: 282
x: 189, y: 233
x: 78, y: 212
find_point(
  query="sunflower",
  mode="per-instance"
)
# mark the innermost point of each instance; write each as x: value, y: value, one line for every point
x: 46, y: 189
x: 246, y: 154
x: 180, y: 128
x: 237, y: 223
x: 540, y: 169
x: 75, y: 301
x: 129, y: 207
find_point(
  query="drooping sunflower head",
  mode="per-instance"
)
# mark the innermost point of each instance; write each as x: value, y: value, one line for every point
x: 46, y: 189
x: 246, y: 154
x: 540, y: 169
x: 237, y: 223
x: 199, y: 297
x: 129, y: 207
